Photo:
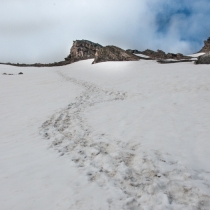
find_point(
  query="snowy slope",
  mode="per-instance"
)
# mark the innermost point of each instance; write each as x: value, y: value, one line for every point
x: 196, y: 55
x: 115, y: 135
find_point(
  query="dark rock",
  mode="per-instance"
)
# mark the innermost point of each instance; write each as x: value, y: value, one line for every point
x: 82, y: 50
x: 21, y: 73
x: 148, y: 52
x: 4, y: 74
x: 112, y: 53
x: 171, y: 55
x: 156, y: 55
x: 203, y: 59
x: 133, y: 51
x: 206, y: 47
x: 160, y: 55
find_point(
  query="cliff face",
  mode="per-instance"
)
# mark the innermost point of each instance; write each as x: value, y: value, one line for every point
x: 206, y: 47
x: 82, y: 50
x: 113, y: 53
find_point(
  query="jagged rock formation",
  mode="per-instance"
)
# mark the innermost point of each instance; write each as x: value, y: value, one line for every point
x: 113, y: 53
x: 206, y: 47
x: 82, y: 50
x: 160, y: 55
x: 203, y: 59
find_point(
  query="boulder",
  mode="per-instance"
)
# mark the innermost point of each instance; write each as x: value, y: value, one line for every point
x: 203, y: 59
x: 82, y: 50
x: 113, y: 53
x: 206, y: 47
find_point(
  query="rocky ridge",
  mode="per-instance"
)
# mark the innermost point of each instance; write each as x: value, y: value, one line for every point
x: 133, y: 51
x: 82, y: 50
x: 113, y: 53
x: 206, y: 47
x: 159, y: 55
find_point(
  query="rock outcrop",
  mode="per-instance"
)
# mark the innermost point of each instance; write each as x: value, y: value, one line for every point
x: 133, y: 51
x: 82, y: 50
x: 206, y: 47
x: 113, y: 53
x: 160, y: 55
x: 203, y: 59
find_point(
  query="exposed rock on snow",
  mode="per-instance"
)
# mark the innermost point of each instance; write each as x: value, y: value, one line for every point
x: 82, y: 50
x: 159, y: 54
x: 203, y: 59
x: 113, y: 53
x: 162, y: 55
x: 206, y: 47
x: 133, y: 51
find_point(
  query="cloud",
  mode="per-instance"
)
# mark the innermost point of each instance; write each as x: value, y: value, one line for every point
x: 185, y: 22
x: 43, y: 31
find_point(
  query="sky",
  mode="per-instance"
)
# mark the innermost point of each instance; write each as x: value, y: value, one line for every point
x: 43, y: 30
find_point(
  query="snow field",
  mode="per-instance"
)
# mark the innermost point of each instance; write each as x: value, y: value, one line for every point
x: 135, y: 132
x: 33, y: 176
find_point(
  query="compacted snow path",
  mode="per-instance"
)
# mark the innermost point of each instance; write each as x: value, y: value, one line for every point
x: 142, y: 178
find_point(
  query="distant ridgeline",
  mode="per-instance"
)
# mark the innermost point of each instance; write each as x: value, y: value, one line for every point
x: 84, y: 49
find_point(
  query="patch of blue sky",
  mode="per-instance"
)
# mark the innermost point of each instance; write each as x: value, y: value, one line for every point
x: 191, y: 17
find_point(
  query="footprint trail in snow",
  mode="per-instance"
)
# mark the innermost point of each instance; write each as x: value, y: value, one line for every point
x: 146, y: 179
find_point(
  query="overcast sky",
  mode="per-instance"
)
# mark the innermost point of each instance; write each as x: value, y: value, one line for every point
x: 43, y: 30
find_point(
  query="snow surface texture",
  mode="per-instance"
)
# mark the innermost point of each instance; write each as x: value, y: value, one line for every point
x: 138, y: 133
